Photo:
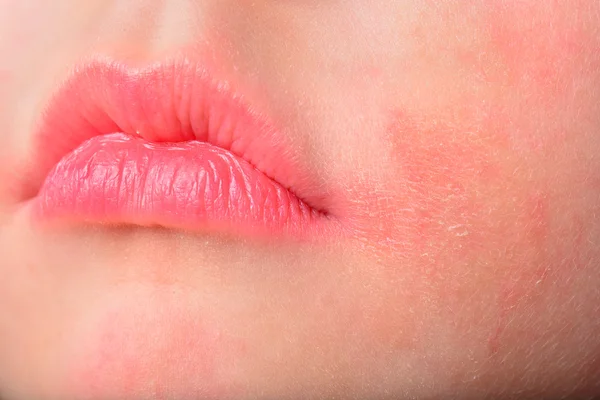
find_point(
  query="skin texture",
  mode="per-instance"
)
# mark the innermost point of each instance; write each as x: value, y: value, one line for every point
x: 458, y: 142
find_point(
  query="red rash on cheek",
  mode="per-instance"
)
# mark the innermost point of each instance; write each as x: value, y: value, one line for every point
x: 158, y: 350
x: 426, y: 219
x: 428, y: 204
x: 462, y: 212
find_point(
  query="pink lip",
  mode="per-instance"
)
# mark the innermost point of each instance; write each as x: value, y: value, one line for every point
x: 167, y: 145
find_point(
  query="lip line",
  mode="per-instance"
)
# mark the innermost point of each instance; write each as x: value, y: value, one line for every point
x: 84, y: 80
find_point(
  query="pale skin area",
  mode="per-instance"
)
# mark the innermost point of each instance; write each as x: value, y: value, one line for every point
x: 466, y: 140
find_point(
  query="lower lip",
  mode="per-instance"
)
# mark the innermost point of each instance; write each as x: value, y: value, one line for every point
x: 120, y: 179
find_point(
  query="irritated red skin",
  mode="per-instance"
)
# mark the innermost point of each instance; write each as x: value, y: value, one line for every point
x: 189, y: 185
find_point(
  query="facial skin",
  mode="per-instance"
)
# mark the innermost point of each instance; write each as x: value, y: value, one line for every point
x: 459, y: 142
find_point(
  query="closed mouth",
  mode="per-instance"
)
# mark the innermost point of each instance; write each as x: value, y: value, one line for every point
x: 170, y: 145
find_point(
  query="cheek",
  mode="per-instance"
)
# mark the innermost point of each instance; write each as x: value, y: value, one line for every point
x: 159, y: 347
x: 541, y: 48
x: 458, y: 213
x: 426, y: 198
x: 423, y: 219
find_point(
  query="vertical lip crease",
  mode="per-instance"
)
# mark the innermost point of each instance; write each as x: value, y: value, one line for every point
x: 174, y: 101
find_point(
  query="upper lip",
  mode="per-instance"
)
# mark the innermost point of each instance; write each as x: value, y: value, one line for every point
x: 173, y: 101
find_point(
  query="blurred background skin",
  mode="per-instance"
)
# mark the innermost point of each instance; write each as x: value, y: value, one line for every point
x: 465, y: 138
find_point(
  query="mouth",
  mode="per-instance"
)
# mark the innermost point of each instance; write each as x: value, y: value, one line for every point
x: 168, y: 145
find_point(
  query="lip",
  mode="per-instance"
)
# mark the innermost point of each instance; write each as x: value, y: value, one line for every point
x: 167, y: 144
